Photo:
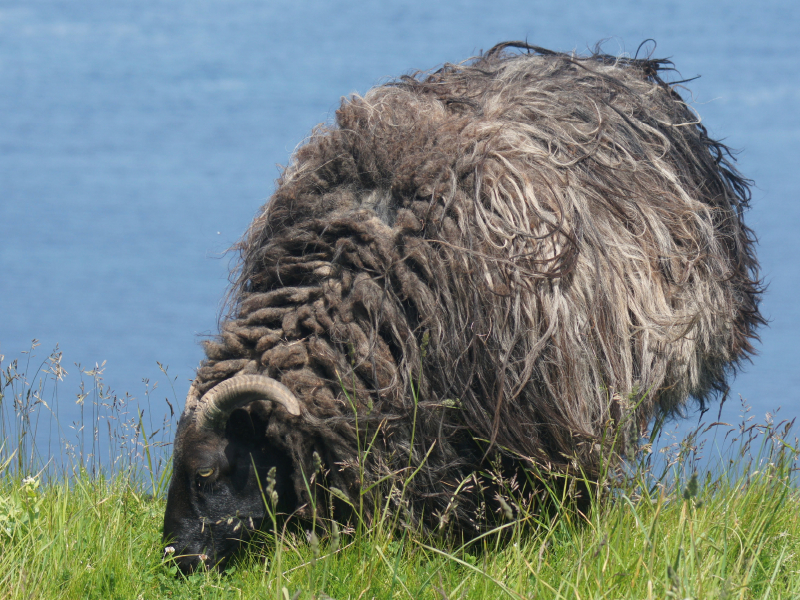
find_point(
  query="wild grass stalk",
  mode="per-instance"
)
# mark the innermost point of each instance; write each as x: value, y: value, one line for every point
x: 32, y: 429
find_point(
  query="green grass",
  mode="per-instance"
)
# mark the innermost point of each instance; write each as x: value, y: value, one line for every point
x: 669, y: 532
x: 98, y: 538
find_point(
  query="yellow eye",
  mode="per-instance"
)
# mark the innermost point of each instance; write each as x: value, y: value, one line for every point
x: 205, y: 472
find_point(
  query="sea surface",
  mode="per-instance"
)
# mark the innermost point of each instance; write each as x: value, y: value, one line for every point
x: 139, y: 138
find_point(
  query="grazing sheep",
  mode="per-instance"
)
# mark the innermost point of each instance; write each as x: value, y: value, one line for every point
x: 502, y: 264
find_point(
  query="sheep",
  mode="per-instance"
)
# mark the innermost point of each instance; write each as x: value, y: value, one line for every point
x: 506, y: 264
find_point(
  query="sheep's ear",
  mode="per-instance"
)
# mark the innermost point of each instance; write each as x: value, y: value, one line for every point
x: 249, y: 425
x: 216, y: 406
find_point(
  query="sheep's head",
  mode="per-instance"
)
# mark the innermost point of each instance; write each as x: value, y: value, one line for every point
x: 222, y: 464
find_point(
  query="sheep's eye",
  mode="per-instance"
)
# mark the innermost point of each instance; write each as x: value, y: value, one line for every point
x: 205, y: 472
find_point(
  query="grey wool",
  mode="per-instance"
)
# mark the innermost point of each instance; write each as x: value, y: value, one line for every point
x: 521, y: 256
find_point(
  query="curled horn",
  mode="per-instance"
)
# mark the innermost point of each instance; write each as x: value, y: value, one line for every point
x: 220, y: 401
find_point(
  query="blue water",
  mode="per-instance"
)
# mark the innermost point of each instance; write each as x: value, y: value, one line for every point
x: 138, y: 139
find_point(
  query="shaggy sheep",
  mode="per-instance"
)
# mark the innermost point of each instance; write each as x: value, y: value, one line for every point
x: 489, y: 266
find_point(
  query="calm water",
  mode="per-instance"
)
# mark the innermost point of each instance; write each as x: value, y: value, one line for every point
x: 138, y: 139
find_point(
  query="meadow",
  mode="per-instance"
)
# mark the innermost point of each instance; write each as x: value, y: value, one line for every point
x: 711, y: 515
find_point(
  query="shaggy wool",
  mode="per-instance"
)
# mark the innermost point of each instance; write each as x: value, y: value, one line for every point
x: 529, y: 255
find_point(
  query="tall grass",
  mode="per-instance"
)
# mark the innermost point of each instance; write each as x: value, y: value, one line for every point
x: 80, y: 517
x: 100, y: 433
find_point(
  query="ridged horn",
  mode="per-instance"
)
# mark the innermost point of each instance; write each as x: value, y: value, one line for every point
x: 220, y: 401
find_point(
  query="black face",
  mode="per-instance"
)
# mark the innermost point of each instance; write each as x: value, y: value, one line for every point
x: 215, y: 498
